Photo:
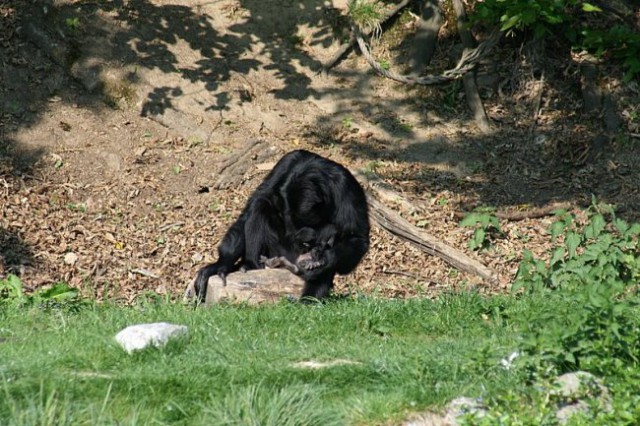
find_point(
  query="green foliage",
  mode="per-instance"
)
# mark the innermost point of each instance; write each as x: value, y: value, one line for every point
x: 59, y: 295
x: 539, y: 16
x: 619, y: 41
x: 11, y: 289
x: 567, y: 19
x: 486, y: 226
x: 347, y: 122
x: 384, y: 64
x: 61, y: 368
x: 595, y: 329
x: 593, y: 269
x: 73, y: 24
x: 366, y: 14
x: 597, y: 252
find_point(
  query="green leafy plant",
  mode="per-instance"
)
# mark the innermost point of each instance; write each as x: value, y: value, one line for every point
x: 442, y: 201
x: 540, y: 16
x: 486, y: 226
x: 73, y: 23
x: 593, y: 270
x: 567, y: 19
x: 347, y: 122
x: 11, y: 289
x: 594, y: 252
x: 620, y: 42
x: 59, y: 295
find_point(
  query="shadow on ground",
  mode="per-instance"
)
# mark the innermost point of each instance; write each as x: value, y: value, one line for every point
x: 78, y: 76
x: 14, y: 253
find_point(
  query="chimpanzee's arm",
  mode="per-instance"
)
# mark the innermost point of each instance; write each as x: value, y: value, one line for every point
x: 231, y: 249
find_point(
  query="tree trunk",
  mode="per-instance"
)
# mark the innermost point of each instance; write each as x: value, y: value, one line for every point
x: 469, y: 79
x: 426, y: 38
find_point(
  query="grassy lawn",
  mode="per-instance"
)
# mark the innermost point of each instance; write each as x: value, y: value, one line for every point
x: 577, y: 310
x: 239, y: 364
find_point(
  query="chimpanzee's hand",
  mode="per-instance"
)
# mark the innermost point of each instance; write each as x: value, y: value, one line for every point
x: 202, y: 278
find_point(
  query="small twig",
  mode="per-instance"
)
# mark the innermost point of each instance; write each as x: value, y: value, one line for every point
x: 523, y: 214
x: 171, y: 225
x: 403, y: 273
x: 145, y: 273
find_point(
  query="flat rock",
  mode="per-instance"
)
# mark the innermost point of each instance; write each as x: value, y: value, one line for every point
x: 252, y: 287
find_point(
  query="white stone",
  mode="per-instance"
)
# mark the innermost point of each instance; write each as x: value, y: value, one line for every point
x: 70, y: 258
x: 140, y: 336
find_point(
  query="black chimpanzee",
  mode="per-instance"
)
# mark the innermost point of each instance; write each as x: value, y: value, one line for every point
x: 310, y: 211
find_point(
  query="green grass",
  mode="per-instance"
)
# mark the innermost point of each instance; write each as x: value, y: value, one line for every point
x: 238, y: 364
x: 577, y: 309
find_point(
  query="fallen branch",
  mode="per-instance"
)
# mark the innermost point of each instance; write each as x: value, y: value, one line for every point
x: 401, y: 228
x: 395, y: 224
x: 523, y: 214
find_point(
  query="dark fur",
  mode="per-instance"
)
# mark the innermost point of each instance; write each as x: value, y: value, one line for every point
x: 305, y: 197
x: 313, y: 247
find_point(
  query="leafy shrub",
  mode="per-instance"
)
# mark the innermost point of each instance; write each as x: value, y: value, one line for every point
x: 593, y: 329
x: 619, y: 41
x: 539, y: 16
x: 598, y: 252
x: 593, y: 272
x: 565, y: 18
x: 59, y: 295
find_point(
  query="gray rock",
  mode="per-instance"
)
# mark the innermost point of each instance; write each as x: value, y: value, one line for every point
x: 573, y: 388
x: 462, y: 406
x: 566, y: 412
x: 455, y: 408
x: 141, y: 336
x: 570, y: 390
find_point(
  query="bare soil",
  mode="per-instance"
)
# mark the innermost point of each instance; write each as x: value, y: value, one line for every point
x: 118, y: 119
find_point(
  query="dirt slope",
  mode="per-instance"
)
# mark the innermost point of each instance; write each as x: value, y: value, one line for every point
x: 118, y: 118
